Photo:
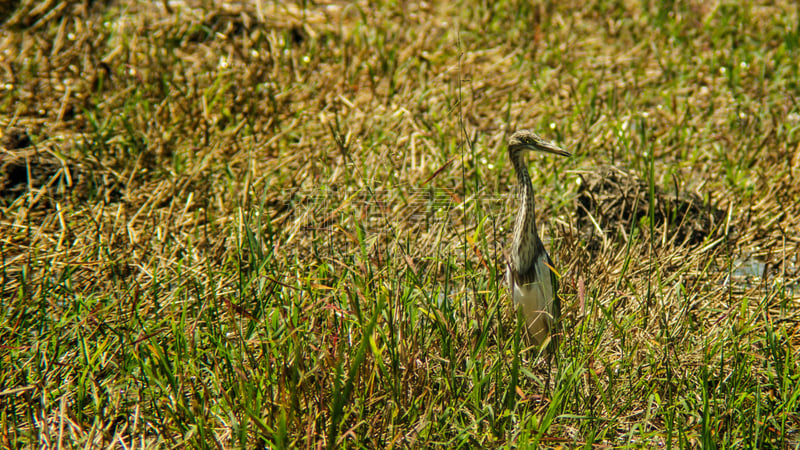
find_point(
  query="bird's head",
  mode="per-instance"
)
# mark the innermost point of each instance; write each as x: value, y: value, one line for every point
x: 528, y: 140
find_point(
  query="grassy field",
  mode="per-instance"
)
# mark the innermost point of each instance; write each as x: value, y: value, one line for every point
x: 271, y: 225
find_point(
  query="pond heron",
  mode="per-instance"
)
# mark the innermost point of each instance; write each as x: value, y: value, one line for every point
x: 531, y: 279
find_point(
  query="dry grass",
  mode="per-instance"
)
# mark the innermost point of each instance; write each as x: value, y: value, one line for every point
x: 281, y: 225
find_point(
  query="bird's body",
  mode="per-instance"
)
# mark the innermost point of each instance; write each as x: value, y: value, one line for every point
x: 531, y: 280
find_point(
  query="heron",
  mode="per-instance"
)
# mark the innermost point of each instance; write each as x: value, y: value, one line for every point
x: 530, y: 275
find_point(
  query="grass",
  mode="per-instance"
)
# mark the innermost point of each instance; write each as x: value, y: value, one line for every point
x: 268, y: 225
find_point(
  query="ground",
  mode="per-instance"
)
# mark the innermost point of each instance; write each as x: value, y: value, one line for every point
x: 275, y: 224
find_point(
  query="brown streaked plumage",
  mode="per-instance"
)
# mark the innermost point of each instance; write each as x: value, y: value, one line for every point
x: 531, y: 280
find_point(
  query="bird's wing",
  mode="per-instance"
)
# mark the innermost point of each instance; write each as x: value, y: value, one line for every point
x: 555, y: 332
x: 556, y: 297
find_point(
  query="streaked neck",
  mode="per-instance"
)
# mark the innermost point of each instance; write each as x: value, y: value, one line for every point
x: 526, y: 245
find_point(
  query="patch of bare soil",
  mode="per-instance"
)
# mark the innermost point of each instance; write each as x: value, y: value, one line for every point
x: 24, y: 169
x: 616, y: 201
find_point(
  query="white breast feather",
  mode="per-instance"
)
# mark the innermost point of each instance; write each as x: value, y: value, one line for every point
x: 536, y: 301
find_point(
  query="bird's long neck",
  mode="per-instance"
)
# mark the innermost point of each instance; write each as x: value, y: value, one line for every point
x: 526, y: 245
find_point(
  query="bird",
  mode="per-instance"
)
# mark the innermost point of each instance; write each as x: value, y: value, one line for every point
x: 531, y: 279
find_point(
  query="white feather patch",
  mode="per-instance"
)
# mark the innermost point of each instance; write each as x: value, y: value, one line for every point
x: 536, y: 301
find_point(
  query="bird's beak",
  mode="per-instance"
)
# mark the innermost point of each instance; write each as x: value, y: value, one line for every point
x: 548, y: 147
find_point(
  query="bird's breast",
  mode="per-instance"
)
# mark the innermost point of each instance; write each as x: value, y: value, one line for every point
x: 532, y: 290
